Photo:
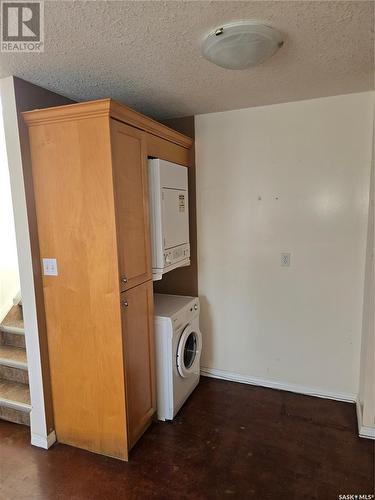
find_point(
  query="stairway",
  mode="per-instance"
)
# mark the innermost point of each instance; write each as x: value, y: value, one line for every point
x: 14, y: 379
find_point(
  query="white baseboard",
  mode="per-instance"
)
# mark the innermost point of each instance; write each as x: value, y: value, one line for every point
x: 17, y: 299
x: 364, y: 431
x: 43, y: 441
x: 283, y: 386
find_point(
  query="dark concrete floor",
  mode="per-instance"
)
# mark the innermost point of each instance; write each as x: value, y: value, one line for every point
x: 229, y: 441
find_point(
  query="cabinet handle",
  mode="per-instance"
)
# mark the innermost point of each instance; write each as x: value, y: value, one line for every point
x: 124, y: 279
x: 124, y: 303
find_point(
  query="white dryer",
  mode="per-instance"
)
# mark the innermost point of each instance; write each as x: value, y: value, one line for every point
x: 169, y: 216
x: 178, y: 345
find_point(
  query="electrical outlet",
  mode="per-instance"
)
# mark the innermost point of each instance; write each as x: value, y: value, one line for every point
x: 50, y: 267
x: 285, y: 259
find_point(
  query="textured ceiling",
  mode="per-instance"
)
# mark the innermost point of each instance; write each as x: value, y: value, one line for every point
x: 146, y: 54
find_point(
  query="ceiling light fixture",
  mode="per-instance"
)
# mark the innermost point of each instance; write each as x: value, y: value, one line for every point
x: 241, y: 44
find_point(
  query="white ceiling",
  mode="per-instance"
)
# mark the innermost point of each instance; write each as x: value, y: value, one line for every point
x: 146, y: 54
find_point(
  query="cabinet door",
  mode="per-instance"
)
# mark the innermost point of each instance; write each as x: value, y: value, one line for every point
x: 138, y: 332
x: 129, y: 163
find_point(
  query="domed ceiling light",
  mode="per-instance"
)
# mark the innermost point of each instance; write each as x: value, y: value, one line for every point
x: 241, y: 44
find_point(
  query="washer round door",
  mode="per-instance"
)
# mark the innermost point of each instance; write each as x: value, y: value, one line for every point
x: 189, y: 351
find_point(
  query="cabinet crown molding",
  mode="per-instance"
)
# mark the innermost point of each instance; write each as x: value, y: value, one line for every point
x: 106, y: 107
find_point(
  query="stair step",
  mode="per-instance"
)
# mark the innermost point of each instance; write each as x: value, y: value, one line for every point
x: 13, y: 321
x: 14, y: 357
x: 15, y: 396
x: 12, y: 339
x: 14, y: 374
x: 14, y: 390
x: 15, y: 416
x: 14, y: 402
x: 13, y: 364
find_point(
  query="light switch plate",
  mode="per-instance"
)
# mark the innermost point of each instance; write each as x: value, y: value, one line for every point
x: 285, y: 259
x: 50, y: 267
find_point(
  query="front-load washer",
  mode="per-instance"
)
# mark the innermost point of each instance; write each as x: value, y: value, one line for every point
x: 178, y: 345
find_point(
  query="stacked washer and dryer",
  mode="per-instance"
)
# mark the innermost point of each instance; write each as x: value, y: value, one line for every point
x: 178, y: 340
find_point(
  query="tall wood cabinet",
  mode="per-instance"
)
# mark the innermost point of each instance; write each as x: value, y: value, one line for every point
x: 89, y: 168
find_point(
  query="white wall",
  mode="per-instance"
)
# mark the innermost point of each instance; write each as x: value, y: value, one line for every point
x: 9, y: 278
x: 366, y: 399
x: 284, y: 178
x: 39, y: 435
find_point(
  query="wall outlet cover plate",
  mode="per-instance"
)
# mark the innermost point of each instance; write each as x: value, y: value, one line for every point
x: 50, y: 267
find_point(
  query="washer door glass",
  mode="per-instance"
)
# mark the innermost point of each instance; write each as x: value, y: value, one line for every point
x: 188, y: 352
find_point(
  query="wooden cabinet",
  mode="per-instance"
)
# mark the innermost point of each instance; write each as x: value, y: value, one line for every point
x: 137, y: 322
x: 129, y: 162
x: 89, y: 169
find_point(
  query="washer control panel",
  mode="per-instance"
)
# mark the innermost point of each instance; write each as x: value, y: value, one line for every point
x: 186, y: 315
